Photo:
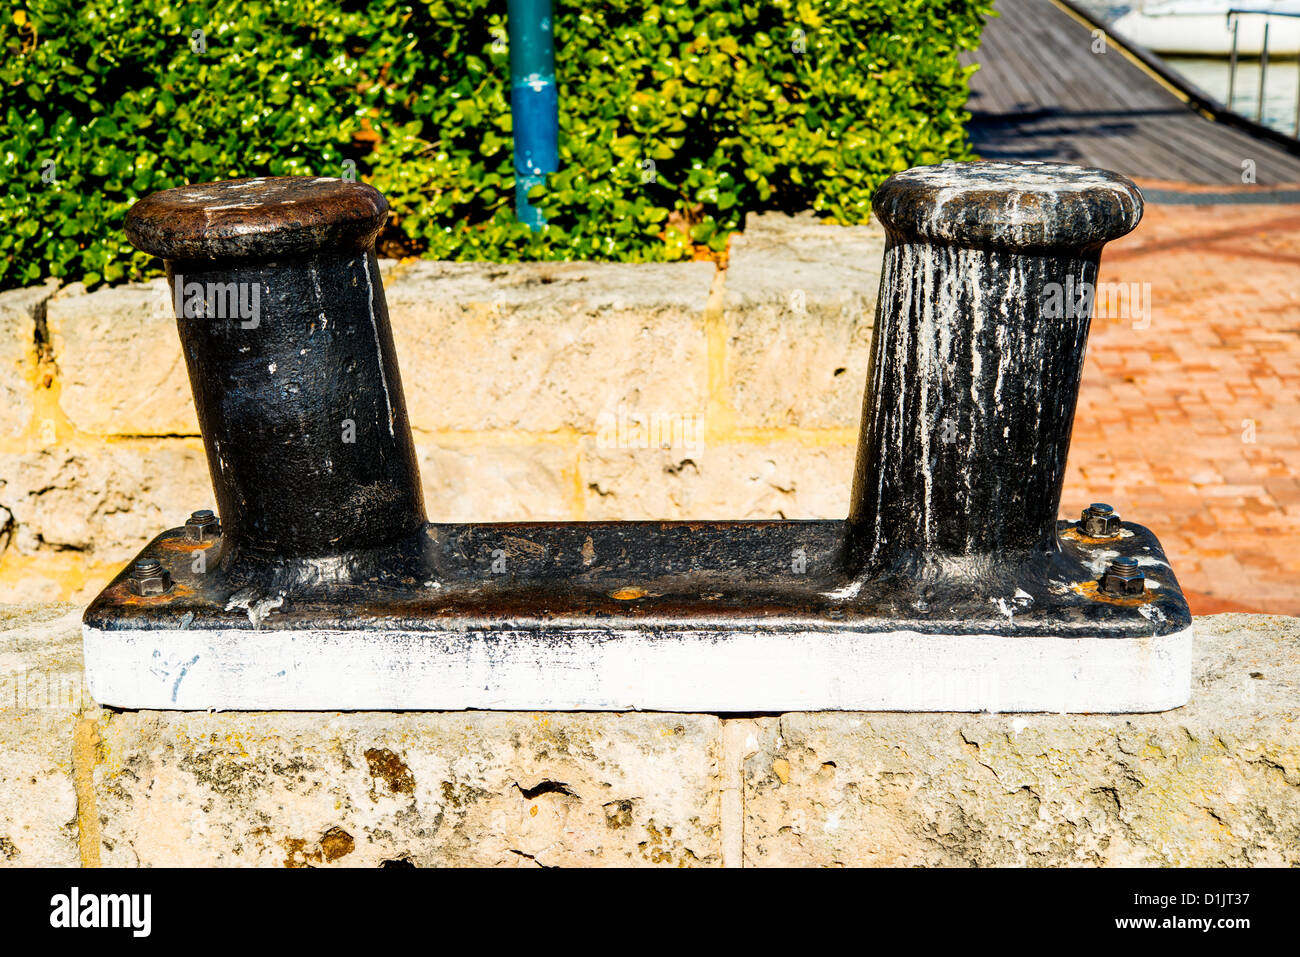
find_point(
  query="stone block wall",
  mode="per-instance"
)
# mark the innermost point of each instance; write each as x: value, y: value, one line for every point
x: 1215, y: 783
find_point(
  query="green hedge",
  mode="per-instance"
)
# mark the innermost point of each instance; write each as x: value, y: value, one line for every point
x: 677, y: 118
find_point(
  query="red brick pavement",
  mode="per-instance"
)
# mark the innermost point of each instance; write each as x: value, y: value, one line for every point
x: 1190, y: 424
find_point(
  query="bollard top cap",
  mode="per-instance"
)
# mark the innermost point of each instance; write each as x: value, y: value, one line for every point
x: 1014, y: 206
x: 262, y: 217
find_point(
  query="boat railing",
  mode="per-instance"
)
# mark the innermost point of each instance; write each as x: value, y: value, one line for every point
x: 1234, y: 13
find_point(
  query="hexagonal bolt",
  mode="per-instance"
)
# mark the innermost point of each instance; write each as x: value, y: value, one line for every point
x: 1123, y: 579
x: 148, y: 577
x: 1099, y: 521
x: 203, y: 526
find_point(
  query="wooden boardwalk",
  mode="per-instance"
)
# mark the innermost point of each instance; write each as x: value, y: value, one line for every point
x: 1042, y: 93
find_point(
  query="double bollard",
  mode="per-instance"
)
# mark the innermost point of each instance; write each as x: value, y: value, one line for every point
x: 968, y: 410
x: 952, y: 535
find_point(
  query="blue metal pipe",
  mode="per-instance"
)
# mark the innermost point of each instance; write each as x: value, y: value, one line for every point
x: 534, y: 103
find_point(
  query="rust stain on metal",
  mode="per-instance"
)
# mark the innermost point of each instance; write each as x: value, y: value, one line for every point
x: 1075, y: 535
x: 124, y: 595
x: 262, y: 216
x: 1092, y: 590
x: 183, y: 545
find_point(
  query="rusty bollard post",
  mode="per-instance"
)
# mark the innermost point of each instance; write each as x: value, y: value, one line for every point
x: 981, y: 325
x: 286, y: 337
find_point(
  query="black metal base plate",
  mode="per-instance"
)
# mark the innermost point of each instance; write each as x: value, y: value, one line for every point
x: 713, y: 575
x: 700, y: 616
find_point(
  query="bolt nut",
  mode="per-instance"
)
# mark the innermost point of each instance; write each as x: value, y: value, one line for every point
x: 1099, y: 521
x: 1123, y: 579
x: 148, y: 577
x: 202, y: 526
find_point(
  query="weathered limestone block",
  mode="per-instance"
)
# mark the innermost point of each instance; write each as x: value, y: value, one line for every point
x: 371, y: 790
x: 19, y: 310
x: 511, y: 483
x: 120, y: 361
x: 548, y: 346
x: 1214, y: 783
x: 106, y: 500
x: 799, y: 308
x: 717, y: 481
x: 41, y: 691
x: 38, y: 802
x: 40, y: 657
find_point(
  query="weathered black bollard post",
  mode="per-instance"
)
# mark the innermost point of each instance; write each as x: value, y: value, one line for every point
x: 286, y: 336
x: 983, y: 315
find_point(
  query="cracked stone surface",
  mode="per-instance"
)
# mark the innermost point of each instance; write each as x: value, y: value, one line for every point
x: 718, y: 480
x: 371, y: 790
x: 41, y: 694
x: 1216, y: 783
x: 19, y: 311
x: 120, y: 362
x: 106, y: 501
x: 38, y: 802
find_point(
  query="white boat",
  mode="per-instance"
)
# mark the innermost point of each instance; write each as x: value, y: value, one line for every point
x: 1202, y: 27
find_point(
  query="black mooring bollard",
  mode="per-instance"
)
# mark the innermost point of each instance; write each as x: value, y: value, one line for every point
x: 952, y: 587
x: 286, y: 336
x: 981, y: 325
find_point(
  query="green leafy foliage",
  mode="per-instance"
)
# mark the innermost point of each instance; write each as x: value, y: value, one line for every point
x: 676, y: 118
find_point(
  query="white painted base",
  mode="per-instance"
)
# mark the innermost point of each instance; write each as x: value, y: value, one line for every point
x: 625, y: 671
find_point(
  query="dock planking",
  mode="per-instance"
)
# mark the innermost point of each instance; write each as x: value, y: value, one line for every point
x: 1042, y: 93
